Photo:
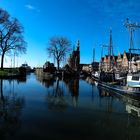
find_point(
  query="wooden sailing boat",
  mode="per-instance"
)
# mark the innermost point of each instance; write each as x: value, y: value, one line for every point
x: 133, y: 78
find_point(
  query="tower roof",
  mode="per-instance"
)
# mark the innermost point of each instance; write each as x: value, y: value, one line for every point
x: 78, y: 45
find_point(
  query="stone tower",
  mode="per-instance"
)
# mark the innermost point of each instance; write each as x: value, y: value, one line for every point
x: 74, y: 60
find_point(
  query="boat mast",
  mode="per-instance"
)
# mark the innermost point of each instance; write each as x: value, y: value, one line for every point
x: 110, y: 53
x: 103, y: 46
x: 131, y: 27
x: 93, y: 55
x: 110, y: 50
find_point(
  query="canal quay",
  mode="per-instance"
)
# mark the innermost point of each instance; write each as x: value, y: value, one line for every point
x: 33, y: 108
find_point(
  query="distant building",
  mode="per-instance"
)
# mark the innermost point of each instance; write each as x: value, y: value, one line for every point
x: 94, y: 66
x: 74, y: 59
x: 127, y: 60
x: 26, y: 67
x: 107, y: 63
x: 86, y: 67
x: 119, y: 63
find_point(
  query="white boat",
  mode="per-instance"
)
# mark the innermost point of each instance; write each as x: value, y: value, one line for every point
x: 133, y: 79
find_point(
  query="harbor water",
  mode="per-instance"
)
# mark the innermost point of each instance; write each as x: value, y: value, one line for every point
x: 65, y: 109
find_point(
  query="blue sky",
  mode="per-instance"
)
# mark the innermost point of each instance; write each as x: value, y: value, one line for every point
x: 86, y: 20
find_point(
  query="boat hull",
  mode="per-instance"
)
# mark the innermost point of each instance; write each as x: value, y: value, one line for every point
x: 120, y: 89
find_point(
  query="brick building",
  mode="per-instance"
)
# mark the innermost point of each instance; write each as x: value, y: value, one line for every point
x: 107, y: 63
x: 94, y: 66
x: 120, y: 63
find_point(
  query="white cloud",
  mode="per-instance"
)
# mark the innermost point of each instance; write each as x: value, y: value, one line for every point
x: 31, y: 7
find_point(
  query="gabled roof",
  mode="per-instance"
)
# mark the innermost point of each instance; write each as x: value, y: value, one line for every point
x: 107, y: 56
x: 121, y: 55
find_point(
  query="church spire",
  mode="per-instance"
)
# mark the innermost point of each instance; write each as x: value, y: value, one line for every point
x: 78, y: 45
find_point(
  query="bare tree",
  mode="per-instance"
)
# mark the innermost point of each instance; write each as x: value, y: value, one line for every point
x: 11, y: 38
x: 58, y: 48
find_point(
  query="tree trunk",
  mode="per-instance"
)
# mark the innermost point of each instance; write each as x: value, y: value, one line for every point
x: 2, y: 60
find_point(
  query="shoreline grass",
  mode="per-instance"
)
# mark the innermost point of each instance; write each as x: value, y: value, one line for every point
x: 6, y: 71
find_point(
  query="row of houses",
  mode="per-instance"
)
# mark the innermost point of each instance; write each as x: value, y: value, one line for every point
x: 94, y: 66
x: 122, y: 62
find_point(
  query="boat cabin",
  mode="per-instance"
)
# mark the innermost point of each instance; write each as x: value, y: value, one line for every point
x: 133, y: 79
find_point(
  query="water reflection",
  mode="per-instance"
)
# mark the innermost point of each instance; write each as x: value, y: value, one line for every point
x: 109, y: 101
x: 90, y: 80
x: 132, y: 104
x: 104, y: 93
x: 131, y: 109
x: 22, y: 80
x: 99, y: 114
x: 73, y: 86
x: 10, y: 111
x: 55, y: 95
x: 57, y: 89
x: 55, y: 98
x: 46, y: 82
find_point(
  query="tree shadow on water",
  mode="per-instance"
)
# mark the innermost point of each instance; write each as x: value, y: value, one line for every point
x: 56, y: 100
x: 10, y: 112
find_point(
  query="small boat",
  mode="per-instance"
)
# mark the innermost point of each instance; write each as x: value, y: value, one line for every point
x: 130, y: 85
x: 133, y: 79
